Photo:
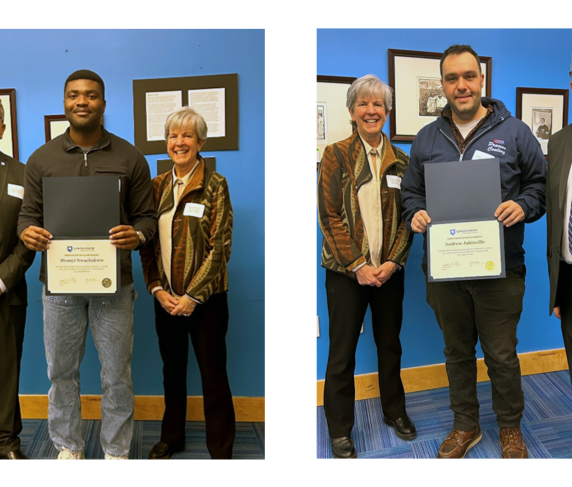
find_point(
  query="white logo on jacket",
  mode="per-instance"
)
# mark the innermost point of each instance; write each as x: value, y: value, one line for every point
x: 497, y: 148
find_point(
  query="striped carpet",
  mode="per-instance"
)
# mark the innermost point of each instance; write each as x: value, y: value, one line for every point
x: 248, y: 444
x: 546, y: 423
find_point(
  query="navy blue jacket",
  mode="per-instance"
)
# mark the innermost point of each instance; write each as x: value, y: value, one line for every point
x: 522, y: 169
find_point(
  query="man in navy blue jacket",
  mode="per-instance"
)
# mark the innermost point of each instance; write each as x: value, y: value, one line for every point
x: 469, y: 128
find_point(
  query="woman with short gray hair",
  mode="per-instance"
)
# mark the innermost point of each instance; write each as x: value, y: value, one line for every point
x: 364, y: 250
x: 186, y: 117
x: 185, y: 269
x: 366, y: 86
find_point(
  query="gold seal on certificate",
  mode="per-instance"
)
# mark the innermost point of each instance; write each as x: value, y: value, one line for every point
x: 81, y: 267
x: 465, y: 250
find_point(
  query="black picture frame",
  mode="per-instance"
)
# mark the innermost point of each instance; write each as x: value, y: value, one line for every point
x: 229, y: 82
x: 11, y: 134
x: 333, y: 124
x: 532, y: 102
x: 405, y: 126
x: 49, y: 120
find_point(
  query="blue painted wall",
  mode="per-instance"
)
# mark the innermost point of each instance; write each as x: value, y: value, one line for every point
x: 520, y: 58
x: 37, y: 62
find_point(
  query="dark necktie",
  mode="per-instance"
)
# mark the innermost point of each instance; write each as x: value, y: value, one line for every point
x: 178, y: 190
x: 570, y: 231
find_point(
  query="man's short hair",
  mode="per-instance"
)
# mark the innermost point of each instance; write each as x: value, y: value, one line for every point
x: 1, y: 111
x: 86, y: 74
x: 457, y: 49
x: 369, y: 85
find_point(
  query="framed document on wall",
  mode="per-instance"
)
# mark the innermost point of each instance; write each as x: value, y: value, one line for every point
x: 55, y: 125
x: 214, y: 97
x: 332, y: 116
x: 418, y: 98
x: 544, y: 110
x: 9, y: 142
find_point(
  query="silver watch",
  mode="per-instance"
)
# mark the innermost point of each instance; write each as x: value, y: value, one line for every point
x: 141, y: 237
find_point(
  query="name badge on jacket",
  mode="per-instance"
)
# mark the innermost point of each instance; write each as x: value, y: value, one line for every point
x: 16, y: 191
x: 194, y: 209
x: 394, y: 181
x: 482, y: 155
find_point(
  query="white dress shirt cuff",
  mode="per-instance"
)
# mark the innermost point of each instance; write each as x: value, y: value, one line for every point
x: 195, y: 300
x: 156, y: 288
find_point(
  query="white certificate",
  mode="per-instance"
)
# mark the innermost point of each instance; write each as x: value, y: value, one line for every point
x: 211, y: 105
x: 82, y: 267
x: 159, y: 105
x: 465, y: 250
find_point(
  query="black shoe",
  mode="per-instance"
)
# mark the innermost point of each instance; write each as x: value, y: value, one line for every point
x: 14, y: 455
x: 343, y: 447
x: 162, y: 451
x: 404, y: 427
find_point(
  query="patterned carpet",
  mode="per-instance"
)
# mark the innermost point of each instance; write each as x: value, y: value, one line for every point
x: 546, y: 423
x: 248, y: 444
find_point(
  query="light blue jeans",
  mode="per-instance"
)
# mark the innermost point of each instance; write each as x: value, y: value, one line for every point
x: 66, y: 319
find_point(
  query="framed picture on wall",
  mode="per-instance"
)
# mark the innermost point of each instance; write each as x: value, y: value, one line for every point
x: 321, y: 127
x: 544, y: 110
x: 55, y: 125
x: 333, y: 118
x: 9, y: 142
x: 418, y: 97
x: 215, y: 97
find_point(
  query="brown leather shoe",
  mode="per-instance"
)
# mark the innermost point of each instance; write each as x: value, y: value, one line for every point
x: 512, y: 443
x: 458, y: 443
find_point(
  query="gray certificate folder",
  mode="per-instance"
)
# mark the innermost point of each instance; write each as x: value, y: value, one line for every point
x: 81, y: 207
x: 462, y: 190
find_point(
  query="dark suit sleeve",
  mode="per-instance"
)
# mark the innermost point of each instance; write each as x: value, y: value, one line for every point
x: 548, y: 206
x: 32, y: 211
x: 13, y: 268
x: 15, y: 258
x: 553, y: 215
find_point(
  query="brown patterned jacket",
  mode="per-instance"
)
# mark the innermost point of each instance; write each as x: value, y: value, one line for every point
x: 343, y: 170
x: 201, y: 246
